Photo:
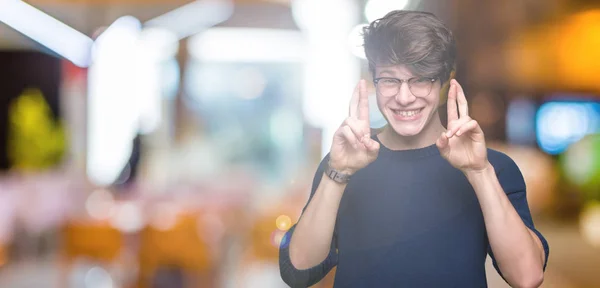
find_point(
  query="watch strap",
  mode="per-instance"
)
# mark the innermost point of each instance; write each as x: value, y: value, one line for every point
x: 336, y: 175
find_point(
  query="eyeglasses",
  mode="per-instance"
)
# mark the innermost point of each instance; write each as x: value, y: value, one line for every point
x: 418, y: 86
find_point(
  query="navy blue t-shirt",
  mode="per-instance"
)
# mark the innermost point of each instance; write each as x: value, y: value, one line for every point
x: 410, y: 219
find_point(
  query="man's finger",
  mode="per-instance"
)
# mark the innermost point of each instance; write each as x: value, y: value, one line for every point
x: 356, y: 128
x: 372, y: 145
x: 349, y: 136
x: 469, y: 126
x: 452, y: 109
x: 363, y: 101
x: 453, y: 126
x: 463, y: 106
x: 353, y: 109
x: 442, y: 141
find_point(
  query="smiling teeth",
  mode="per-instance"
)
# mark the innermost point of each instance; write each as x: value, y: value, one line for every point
x: 407, y: 113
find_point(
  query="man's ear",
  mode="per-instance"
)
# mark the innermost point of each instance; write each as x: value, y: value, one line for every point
x: 446, y: 88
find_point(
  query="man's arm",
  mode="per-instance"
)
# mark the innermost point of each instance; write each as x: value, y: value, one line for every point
x: 311, y: 241
x: 351, y: 150
x: 308, y: 257
x: 517, y: 250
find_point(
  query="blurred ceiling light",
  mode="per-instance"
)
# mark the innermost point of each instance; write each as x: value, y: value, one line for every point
x: 247, y: 45
x: 356, y: 41
x: 46, y: 30
x: 113, y: 117
x: 194, y: 17
x: 158, y: 44
x: 376, y: 9
x: 117, y: 28
x: 316, y: 16
x: 326, y: 26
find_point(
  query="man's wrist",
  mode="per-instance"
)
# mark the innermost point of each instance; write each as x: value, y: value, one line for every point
x: 474, y: 175
x: 340, y: 169
x: 339, y: 175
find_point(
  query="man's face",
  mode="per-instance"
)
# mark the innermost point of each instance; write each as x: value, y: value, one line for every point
x: 408, y: 114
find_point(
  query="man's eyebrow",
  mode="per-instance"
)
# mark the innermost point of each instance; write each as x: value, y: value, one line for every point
x: 385, y: 71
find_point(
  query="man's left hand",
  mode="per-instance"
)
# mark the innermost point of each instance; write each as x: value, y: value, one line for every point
x: 463, y: 144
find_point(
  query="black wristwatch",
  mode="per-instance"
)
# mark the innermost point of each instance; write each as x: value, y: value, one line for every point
x: 336, y: 175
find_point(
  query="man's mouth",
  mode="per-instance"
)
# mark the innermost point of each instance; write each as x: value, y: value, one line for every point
x: 407, y: 113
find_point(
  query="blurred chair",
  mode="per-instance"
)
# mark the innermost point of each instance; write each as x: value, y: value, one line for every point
x: 260, y: 261
x: 266, y: 233
x: 97, y: 241
x: 176, y: 248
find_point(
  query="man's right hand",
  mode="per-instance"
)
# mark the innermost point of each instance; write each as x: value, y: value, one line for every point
x: 352, y: 148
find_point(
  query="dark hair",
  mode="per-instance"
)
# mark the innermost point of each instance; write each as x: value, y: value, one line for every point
x: 418, y: 40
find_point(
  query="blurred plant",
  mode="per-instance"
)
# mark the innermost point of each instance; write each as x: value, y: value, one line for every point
x: 36, y: 141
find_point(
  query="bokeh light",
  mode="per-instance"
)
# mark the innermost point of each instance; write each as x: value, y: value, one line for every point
x: 128, y: 217
x: 559, y: 124
x: 581, y: 165
x: 590, y: 223
x: 100, y: 205
x: 283, y: 222
x: 520, y: 121
x: 98, y: 278
x: 277, y: 237
x: 164, y: 216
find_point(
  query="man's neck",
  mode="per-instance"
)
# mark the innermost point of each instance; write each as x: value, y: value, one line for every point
x: 428, y: 136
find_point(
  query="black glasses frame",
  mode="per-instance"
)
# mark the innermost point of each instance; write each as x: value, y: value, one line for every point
x: 409, y: 81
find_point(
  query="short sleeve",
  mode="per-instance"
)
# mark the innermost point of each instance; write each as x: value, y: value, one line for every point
x: 307, y: 277
x: 512, y: 181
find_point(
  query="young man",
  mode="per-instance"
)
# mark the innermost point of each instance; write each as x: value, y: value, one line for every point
x: 414, y: 205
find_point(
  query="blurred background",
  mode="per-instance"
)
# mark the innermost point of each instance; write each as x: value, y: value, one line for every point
x: 171, y: 143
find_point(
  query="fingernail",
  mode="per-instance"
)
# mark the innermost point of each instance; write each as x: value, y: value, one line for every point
x: 458, y: 133
x: 448, y: 134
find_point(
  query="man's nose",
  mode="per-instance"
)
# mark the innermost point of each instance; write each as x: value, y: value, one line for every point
x: 404, y: 96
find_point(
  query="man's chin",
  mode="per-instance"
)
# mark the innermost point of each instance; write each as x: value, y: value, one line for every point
x: 406, y: 131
